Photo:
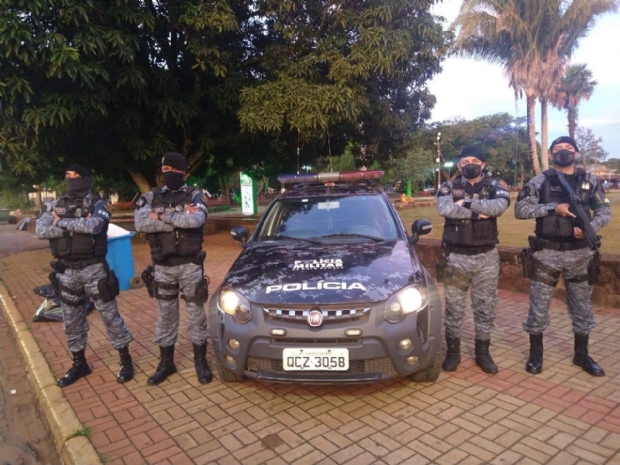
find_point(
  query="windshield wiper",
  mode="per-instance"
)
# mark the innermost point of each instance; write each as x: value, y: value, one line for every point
x: 365, y: 236
x: 284, y: 236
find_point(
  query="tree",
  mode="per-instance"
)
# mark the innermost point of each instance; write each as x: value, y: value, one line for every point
x: 346, y: 72
x: 577, y: 85
x: 532, y: 40
x: 591, y: 151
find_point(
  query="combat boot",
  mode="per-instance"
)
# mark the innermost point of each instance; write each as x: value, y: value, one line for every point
x: 166, y: 366
x: 483, y: 358
x: 453, y: 356
x: 582, y: 359
x: 79, y: 369
x: 126, y: 372
x: 534, y: 363
x: 200, y: 362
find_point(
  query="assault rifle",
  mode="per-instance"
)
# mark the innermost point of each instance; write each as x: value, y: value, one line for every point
x: 581, y: 220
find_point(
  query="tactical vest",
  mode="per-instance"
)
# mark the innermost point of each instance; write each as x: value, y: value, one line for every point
x: 178, y: 242
x: 555, y: 227
x: 78, y: 246
x: 470, y: 232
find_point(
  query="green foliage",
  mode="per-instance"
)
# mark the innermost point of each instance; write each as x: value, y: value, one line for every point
x: 590, y: 147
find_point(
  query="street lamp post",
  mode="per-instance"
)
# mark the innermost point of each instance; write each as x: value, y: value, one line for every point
x: 449, y: 165
x: 438, y: 160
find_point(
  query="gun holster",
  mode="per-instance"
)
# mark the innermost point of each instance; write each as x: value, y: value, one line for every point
x: 108, y: 286
x: 55, y: 282
x: 58, y: 267
x: 148, y: 277
x: 526, y: 262
x: 594, y: 269
x: 201, y: 294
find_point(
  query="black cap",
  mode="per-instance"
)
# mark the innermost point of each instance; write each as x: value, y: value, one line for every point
x: 564, y: 140
x: 472, y: 151
x: 176, y: 160
x: 79, y: 169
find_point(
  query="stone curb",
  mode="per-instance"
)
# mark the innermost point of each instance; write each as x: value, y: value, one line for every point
x: 63, y: 422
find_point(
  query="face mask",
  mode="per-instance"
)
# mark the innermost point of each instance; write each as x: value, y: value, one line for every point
x: 78, y: 188
x: 173, y: 180
x: 564, y: 157
x: 471, y: 171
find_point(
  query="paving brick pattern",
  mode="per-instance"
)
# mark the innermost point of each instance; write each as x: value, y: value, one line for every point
x: 562, y: 416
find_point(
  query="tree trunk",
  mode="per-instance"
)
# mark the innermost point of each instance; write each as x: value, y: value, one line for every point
x: 544, y: 133
x: 571, y: 113
x: 531, y: 129
x: 140, y: 180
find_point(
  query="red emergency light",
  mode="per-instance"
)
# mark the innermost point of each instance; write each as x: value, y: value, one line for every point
x: 342, y: 176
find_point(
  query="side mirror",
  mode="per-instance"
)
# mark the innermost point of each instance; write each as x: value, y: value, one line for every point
x: 240, y: 233
x: 420, y: 228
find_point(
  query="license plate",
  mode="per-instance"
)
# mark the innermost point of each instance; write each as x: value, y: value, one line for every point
x: 315, y: 359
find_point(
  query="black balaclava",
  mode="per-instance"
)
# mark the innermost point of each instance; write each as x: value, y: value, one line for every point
x: 472, y: 171
x: 564, y: 157
x: 78, y: 188
x: 177, y: 161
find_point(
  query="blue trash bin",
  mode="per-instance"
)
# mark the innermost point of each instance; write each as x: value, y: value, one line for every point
x: 120, y: 259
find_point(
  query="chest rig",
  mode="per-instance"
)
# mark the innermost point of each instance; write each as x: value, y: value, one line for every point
x: 471, y: 232
x: 77, y: 246
x: 169, y: 246
x: 556, y: 227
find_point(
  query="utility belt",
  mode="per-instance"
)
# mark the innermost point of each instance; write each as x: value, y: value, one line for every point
x: 467, y: 250
x: 537, y: 271
x: 536, y: 243
x: 107, y: 286
x: 175, y: 261
x: 154, y: 287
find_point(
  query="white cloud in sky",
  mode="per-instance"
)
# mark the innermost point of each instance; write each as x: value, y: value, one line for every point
x: 469, y: 88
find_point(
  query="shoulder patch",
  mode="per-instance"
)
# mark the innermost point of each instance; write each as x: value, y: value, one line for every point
x: 204, y: 198
x: 141, y: 202
x: 108, y: 206
x: 525, y: 192
x: 502, y: 184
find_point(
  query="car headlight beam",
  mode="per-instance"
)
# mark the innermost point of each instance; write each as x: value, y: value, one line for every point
x: 233, y: 303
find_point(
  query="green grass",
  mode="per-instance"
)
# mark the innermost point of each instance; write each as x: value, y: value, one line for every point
x: 514, y: 232
x: 85, y: 431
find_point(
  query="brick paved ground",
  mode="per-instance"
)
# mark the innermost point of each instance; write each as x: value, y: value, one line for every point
x: 562, y: 416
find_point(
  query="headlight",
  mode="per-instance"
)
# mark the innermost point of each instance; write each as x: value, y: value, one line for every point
x: 408, y: 300
x: 233, y: 303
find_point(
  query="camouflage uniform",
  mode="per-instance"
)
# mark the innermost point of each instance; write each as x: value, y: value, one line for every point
x: 572, y: 262
x: 170, y: 278
x: 469, y: 243
x: 79, y: 283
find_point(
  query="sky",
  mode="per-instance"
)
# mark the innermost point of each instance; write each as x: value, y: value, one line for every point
x: 470, y: 88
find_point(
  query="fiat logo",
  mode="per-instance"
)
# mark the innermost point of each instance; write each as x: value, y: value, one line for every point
x: 315, y: 318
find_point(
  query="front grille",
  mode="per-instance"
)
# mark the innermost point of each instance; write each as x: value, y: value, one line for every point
x: 305, y: 341
x: 329, y: 316
x: 375, y: 365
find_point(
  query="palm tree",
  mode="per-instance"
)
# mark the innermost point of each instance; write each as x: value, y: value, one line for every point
x: 577, y: 85
x: 532, y: 40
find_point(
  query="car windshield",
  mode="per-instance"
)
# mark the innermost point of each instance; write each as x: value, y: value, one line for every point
x: 366, y: 216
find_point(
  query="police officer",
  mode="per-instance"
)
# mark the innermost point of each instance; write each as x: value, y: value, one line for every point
x: 560, y: 247
x: 470, y: 204
x: 172, y: 218
x: 76, y: 227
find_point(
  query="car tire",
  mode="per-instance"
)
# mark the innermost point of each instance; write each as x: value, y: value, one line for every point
x: 429, y: 374
x: 226, y: 375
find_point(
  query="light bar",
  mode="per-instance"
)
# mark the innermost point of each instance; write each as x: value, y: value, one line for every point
x: 344, y: 176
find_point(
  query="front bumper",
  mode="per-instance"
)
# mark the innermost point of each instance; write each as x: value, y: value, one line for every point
x: 373, y: 356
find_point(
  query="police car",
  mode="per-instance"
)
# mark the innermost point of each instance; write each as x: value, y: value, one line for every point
x: 328, y: 289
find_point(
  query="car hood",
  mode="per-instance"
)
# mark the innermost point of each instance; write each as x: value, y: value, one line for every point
x: 303, y: 273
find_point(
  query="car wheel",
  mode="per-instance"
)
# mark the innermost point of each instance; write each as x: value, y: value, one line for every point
x: 226, y: 375
x: 429, y: 374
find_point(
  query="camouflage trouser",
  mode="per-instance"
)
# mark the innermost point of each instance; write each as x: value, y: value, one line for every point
x: 82, y: 282
x: 571, y: 264
x: 482, y: 271
x: 187, y: 277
